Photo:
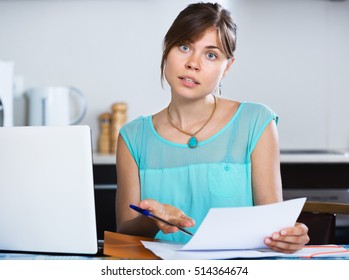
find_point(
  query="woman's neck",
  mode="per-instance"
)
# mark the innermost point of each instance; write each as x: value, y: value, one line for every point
x: 189, y: 113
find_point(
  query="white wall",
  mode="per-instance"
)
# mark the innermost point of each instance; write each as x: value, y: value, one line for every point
x: 292, y: 55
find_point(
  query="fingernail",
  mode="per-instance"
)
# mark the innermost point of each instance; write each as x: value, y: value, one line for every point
x: 267, y: 241
x: 283, y: 232
x: 276, y: 236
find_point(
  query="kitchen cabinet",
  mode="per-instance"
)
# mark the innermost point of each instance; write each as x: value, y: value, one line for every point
x: 104, y: 172
x: 319, y: 176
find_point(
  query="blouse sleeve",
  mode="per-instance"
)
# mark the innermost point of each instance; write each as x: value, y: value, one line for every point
x: 260, y: 116
x: 132, y: 134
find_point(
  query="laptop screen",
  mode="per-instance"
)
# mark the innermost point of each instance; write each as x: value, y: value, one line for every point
x: 47, y: 190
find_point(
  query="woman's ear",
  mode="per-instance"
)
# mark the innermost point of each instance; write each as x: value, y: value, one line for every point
x: 229, y: 64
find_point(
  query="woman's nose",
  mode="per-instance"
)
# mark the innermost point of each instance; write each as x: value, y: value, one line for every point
x: 193, y: 63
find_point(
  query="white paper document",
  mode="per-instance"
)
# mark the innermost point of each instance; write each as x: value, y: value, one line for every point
x: 168, y: 251
x: 244, y: 227
x: 238, y: 228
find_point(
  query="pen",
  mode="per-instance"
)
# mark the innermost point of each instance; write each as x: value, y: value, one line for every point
x: 149, y: 214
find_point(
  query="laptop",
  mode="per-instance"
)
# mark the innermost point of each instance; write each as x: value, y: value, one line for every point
x: 46, y: 190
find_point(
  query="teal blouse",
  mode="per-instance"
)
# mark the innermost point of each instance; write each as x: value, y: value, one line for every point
x: 217, y: 173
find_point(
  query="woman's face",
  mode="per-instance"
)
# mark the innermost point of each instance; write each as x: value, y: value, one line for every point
x: 194, y: 69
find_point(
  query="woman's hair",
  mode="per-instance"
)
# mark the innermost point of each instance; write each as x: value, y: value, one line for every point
x: 193, y: 21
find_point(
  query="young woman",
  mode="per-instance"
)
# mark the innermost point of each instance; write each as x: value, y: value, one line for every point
x: 202, y: 150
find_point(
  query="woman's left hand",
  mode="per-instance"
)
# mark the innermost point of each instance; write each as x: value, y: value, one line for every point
x: 288, y: 240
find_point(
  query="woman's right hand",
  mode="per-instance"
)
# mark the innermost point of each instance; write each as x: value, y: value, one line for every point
x: 168, y: 213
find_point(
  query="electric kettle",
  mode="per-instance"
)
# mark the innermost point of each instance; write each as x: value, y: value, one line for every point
x: 6, y: 93
x: 50, y: 106
x: 1, y: 114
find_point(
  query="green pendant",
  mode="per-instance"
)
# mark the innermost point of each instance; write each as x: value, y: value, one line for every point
x: 193, y: 142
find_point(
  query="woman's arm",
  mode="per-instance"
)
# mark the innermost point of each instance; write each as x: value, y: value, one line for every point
x: 266, y: 177
x: 128, y: 192
x: 267, y: 188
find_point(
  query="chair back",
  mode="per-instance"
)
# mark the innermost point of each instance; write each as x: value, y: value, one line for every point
x: 320, y: 218
x: 322, y: 227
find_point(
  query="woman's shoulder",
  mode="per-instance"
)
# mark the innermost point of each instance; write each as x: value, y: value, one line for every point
x: 228, y: 107
x: 255, y: 106
x: 134, y: 124
x: 258, y: 111
x: 247, y: 107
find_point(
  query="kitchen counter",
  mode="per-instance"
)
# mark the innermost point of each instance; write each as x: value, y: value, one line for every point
x: 314, y: 156
x: 103, y: 158
x: 286, y: 156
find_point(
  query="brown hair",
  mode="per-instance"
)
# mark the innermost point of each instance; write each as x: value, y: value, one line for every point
x: 193, y: 21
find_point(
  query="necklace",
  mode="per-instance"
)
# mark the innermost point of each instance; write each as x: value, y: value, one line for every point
x: 193, y: 141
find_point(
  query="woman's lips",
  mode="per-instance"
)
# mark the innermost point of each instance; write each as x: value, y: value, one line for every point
x: 189, y: 81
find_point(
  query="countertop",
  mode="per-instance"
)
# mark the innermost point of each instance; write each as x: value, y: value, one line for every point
x: 314, y: 156
x: 286, y: 156
x: 104, y: 158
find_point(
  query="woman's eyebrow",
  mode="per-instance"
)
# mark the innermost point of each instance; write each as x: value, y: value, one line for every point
x: 213, y: 48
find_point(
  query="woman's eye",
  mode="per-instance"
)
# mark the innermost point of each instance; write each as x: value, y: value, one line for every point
x: 184, y: 48
x: 211, y: 56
